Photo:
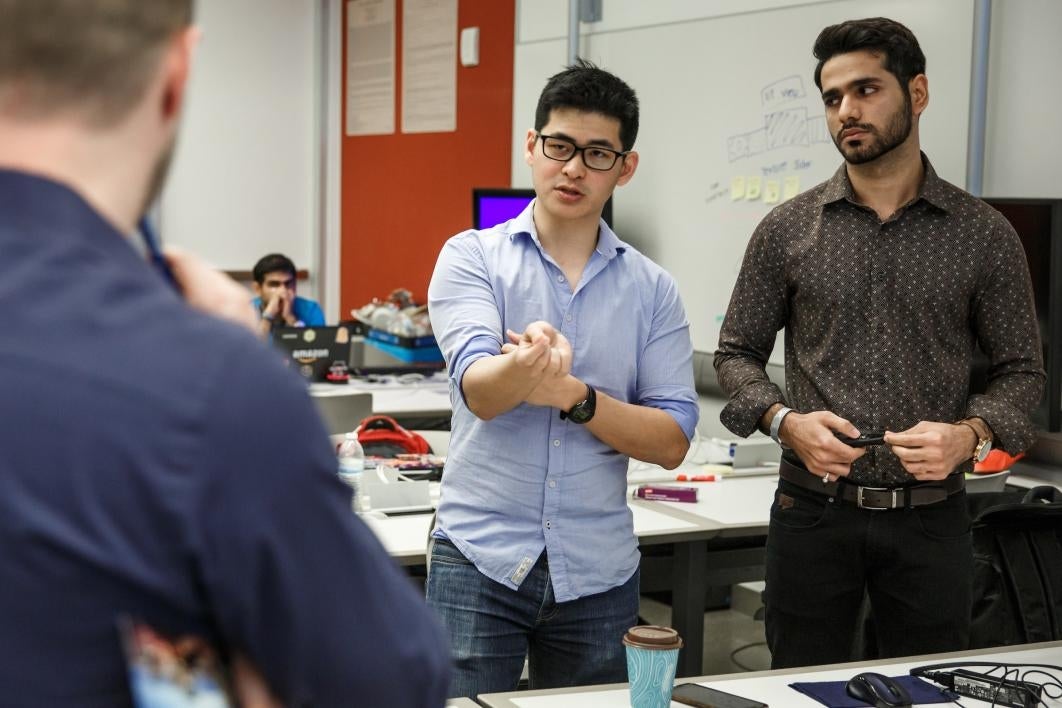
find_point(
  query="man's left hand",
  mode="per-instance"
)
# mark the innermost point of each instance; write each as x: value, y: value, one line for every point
x: 557, y: 384
x: 932, y: 451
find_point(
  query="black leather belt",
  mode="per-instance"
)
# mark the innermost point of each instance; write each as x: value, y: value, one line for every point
x: 876, y: 498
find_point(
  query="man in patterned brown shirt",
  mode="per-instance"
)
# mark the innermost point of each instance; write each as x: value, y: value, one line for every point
x: 885, y: 278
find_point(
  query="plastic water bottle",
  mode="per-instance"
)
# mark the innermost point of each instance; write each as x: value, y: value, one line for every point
x: 351, y: 458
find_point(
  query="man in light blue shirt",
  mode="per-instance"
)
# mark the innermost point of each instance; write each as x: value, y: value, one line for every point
x: 568, y: 352
x: 276, y: 301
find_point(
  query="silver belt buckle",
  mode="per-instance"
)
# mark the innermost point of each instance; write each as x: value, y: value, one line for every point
x: 861, y: 505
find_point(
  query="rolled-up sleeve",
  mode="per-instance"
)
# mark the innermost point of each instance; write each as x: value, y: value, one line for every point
x: 464, y: 311
x: 665, y: 367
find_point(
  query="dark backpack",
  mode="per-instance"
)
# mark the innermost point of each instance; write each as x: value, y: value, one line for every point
x: 1017, y: 590
x: 381, y: 436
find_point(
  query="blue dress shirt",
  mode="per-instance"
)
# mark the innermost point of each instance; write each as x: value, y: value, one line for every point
x: 161, y: 464
x: 526, y: 480
x: 305, y: 310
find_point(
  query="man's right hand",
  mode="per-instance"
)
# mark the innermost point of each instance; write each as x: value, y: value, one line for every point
x: 277, y: 307
x: 811, y: 435
x: 210, y: 291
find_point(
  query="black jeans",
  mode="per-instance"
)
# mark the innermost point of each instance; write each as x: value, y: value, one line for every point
x: 823, y: 555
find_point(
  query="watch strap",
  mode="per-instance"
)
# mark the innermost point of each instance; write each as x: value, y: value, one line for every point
x: 981, y: 440
x: 578, y: 412
x: 776, y: 422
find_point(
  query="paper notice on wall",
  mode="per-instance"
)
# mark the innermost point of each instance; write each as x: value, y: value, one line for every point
x: 791, y: 187
x: 429, y: 66
x: 370, y: 89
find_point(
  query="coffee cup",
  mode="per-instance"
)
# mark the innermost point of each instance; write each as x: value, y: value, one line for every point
x: 652, y: 657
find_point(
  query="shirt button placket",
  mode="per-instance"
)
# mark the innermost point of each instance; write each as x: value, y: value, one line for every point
x: 879, y: 279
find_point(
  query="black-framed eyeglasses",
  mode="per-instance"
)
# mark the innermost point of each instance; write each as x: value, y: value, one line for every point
x: 595, y: 157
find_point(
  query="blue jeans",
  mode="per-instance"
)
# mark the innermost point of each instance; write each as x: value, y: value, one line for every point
x: 492, y: 628
x: 824, y: 555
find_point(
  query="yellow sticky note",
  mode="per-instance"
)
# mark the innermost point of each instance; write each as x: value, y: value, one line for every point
x: 791, y: 187
x: 753, y: 187
x: 772, y: 191
x: 737, y: 187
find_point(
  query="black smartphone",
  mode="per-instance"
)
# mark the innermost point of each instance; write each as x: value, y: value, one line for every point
x: 872, y: 437
x: 694, y: 694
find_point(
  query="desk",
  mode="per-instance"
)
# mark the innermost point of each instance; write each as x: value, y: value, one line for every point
x: 733, y: 508
x: 772, y: 687
x: 1028, y: 474
x: 430, y: 399
x: 415, y: 402
x: 733, y: 515
x: 461, y: 703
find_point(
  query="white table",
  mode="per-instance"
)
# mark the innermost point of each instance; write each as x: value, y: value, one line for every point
x: 742, y: 507
x: 772, y: 687
x: 398, y: 396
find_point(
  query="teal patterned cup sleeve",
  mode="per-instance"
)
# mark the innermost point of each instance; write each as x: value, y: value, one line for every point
x: 652, y: 657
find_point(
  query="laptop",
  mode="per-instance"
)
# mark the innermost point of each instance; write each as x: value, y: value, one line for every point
x: 312, y: 351
x: 370, y: 357
x: 342, y: 412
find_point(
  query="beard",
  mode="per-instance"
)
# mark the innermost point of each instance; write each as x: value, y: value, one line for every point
x: 877, y: 143
x: 158, y: 176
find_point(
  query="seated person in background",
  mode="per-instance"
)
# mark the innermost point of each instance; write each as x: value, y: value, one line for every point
x: 277, y: 303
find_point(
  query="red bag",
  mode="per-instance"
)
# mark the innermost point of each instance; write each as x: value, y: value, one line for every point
x: 381, y: 436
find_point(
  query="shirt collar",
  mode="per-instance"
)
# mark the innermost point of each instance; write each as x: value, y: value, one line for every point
x: 609, y: 244
x: 932, y: 189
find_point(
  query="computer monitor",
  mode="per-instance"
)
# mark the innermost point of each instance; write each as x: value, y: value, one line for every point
x: 493, y: 206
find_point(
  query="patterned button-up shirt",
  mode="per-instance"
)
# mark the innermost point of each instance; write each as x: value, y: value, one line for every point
x: 881, y: 318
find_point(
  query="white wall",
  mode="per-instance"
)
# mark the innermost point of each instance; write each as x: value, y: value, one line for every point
x: 1023, y: 144
x: 245, y: 180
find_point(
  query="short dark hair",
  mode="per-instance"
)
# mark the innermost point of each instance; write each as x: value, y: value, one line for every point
x: 902, y: 57
x: 273, y: 263
x: 585, y: 87
x: 94, y: 57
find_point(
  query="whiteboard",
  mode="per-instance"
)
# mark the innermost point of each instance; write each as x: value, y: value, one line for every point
x: 732, y: 96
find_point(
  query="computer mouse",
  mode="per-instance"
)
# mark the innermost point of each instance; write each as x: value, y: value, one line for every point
x: 878, y: 690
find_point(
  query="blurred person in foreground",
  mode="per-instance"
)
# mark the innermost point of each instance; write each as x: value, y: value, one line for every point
x: 133, y: 481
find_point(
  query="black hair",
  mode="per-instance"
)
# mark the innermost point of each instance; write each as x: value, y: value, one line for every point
x: 585, y: 87
x: 903, y: 58
x: 273, y: 263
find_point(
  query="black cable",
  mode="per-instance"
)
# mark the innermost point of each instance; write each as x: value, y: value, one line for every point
x: 1008, y: 670
x: 1052, y: 683
x: 737, y: 663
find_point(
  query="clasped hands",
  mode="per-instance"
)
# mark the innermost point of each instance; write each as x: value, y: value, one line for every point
x: 928, y: 450
x: 544, y: 356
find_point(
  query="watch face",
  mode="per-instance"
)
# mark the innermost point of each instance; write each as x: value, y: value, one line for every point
x: 580, y: 413
x: 583, y: 411
x: 983, y: 448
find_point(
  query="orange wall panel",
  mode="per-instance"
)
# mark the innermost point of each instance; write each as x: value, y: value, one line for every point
x: 403, y: 195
